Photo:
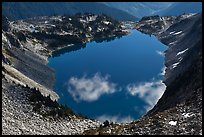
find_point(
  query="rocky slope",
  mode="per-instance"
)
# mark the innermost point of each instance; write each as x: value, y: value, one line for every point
x: 29, y: 103
x: 178, y: 33
x: 19, y: 117
x: 179, y: 110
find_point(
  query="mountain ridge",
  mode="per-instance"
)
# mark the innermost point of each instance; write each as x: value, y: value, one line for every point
x: 181, y: 8
x: 139, y: 9
x: 23, y: 10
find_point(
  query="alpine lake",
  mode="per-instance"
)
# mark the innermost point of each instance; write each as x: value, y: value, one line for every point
x: 117, y: 79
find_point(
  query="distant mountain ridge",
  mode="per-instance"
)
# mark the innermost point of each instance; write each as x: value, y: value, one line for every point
x: 127, y: 11
x: 23, y: 10
x: 179, y: 8
x: 139, y: 9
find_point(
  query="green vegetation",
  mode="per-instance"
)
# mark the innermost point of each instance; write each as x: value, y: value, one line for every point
x: 54, y: 39
x: 78, y: 31
x: 46, y: 107
x: 20, y: 36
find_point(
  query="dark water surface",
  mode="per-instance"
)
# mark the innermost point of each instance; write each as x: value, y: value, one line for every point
x: 117, y: 80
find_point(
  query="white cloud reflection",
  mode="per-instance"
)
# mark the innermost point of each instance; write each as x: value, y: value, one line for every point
x: 160, y: 53
x: 90, y: 89
x: 163, y: 71
x: 116, y: 118
x: 150, y: 92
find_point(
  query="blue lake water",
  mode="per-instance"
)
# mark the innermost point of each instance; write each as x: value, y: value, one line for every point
x: 118, y: 79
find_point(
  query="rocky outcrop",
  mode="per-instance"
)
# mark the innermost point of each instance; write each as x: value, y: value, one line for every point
x: 59, y: 31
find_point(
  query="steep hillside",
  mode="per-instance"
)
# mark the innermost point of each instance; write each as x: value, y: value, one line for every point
x: 179, y: 8
x: 177, y: 32
x: 183, y: 59
x: 140, y: 9
x: 24, y: 10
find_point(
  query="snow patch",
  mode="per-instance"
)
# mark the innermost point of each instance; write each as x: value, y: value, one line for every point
x: 99, y: 29
x: 175, y: 64
x: 187, y: 15
x: 178, y: 33
x: 106, y: 22
x: 90, y: 29
x: 180, y: 58
x: 172, y: 43
x: 181, y: 52
x: 186, y: 115
x: 172, y: 32
x: 173, y: 123
x: 92, y: 18
x: 81, y: 20
x: 69, y: 45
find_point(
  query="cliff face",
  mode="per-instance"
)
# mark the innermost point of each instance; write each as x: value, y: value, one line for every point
x: 183, y: 58
x: 180, y: 34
